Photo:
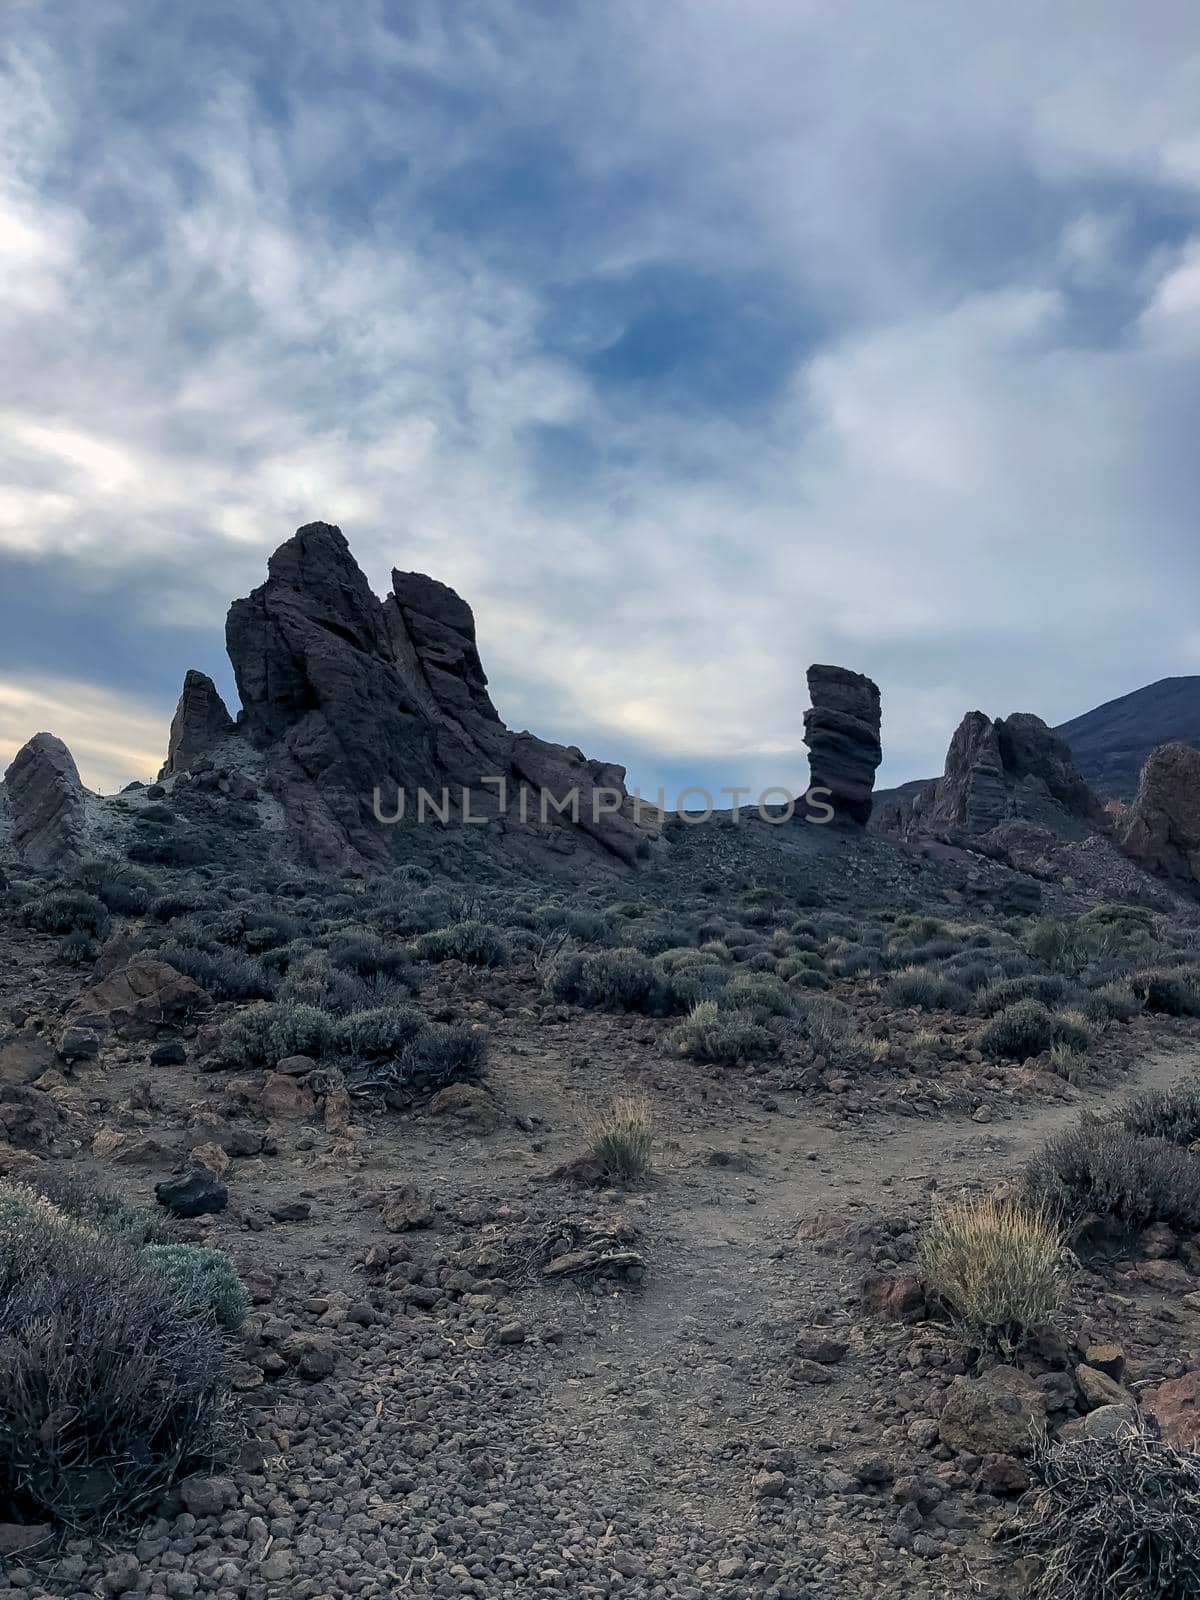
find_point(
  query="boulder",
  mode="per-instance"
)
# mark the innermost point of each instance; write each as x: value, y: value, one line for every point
x: 47, y: 803
x: 999, y: 1413
x: 194, y: 1193
x: 899, y: 1299
x: 287, y: 1099
x: 1097, y: 1389
x: 1175, y: 1406
x: 841, y: 730
x: 468, y: 1103
x: 1161, y: 829
x: 29, y: 1118
x: 139, y: 998
x: 200, y: 723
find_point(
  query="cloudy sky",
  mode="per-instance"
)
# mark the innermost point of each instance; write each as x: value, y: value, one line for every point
x: 691, y: 340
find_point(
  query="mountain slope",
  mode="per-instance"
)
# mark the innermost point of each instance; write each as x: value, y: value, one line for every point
x: 1111, y: 742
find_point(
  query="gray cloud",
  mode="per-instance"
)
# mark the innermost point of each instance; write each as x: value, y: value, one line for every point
x: 691, y: 343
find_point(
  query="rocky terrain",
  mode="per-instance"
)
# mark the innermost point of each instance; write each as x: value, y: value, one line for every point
x: 588, y: 1185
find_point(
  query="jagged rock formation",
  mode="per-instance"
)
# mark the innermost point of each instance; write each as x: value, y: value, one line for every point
x: 1161, y: 830
x: 1015, y: 768
x: 46, y: 802
x: 347, y: 695
x: 841, y: 730
x: 200, y: 723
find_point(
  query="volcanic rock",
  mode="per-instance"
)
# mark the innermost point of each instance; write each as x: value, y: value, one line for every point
x: 1162, y: 828
x: 360, y: 704
x: 1010, y: 785
x: 841, y: 729
x: 200, y: 723
x: 140, y: 998
x: 192, y: 1194
x: 47, y: 803
x: 998, y: 1413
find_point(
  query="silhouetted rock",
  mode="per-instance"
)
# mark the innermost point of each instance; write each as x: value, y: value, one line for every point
x: 1015, y: 769
x: 46, y: 802
x: 348, y: 695
x: 1161, y: 830
x: 200, y: 722
x: 841, y: 730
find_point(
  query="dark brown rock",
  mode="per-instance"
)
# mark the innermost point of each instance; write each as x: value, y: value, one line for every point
x: 998, y: 1413
x: 1161, y: 830
x: 1175, y: 1406
x: 138, y: 999
x: 47, y: 804
x: 200, y: 723
x: 900, y: 1299
x: 355, y: 700
x: 841, y: 730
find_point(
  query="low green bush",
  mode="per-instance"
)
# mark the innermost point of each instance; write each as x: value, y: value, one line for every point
x: 710, y: 1034
x: 928, y: 991
x: 477, y: 944
x: 1107, y: 1170
x: 207, y: 1279
x: 262, y: 1035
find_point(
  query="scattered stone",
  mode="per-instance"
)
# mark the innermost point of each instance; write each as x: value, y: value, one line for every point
x: 286, y: 1099
x: 78, y: 1044
x: 996, y: 1414
x: 208, y: 1497
x: 193, y: 1193
x: 1098, y: 1389
x: 1175, y: 1406
x: 407, y: 1209
x: 899, y: 1299
x: 171, y: 1054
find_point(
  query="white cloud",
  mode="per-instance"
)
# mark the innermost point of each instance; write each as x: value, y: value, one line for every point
x: 114, y: 738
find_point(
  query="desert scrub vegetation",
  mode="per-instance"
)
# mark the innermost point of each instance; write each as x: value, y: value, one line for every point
x: 621, y: 1137
x: 998, y: 1264
x: 476, y: 944
x: 1112, y: 1519
x: 709, y: 1034
x: 1107, y: 1170
x: 1170, y: 1114
x: 927, y: 991
x: 388, y: 1053
x: 1028, y: 1028
x: 114, y: 1378
x: 206, y: 1279
x: 1169, y: 991
x: 613, y: 980
x: 124, y: 889
x: 67, y: 911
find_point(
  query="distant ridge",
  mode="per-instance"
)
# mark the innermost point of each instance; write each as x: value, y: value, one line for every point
x: 1111, y: 743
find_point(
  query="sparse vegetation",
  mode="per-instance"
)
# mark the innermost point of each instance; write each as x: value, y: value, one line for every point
x: 710, y: 1034
x: 1113, y: 1519
x: 621, y: 1137
x: 1096, y: 1167
x: 998, y: 1264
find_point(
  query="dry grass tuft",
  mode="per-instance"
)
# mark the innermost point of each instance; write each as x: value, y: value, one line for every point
x: 621, y: 1138
x: 999, y: 1263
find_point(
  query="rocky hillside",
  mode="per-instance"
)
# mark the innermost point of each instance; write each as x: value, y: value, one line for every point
x: 1110, y: 744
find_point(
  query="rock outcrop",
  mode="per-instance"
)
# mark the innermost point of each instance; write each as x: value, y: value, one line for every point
x: 1014, y: 769
x: 200, y: 723
x: 353, y: 699
x: 47, y: 803
x: 841, y: 729
x: 1161, y: 830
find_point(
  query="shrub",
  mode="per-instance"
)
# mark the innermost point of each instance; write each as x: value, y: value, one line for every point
x: 110, y: 1385
x: 621, y: 1138
x: 997, y: 1262
x: 609, y: 980
x: 1055, y: 942
x: 1117, y: 1001
x: 1170, y: 1114
x: 101, y: 1209
x: 433, y: 1057
x: 225, y: 974
x: 1174, y: 992
x: 759, y: 994
x: 122, y: 888
x: 478, y: 944
x: 78, y: 948
x: 109, y: 1389
x: 383, y: 1031
x: 917, y: 986
x: 1028, y: 1028
x: 709, y: 1034
x: 366, y: 955
x: 1047, y: 988
x: 206, y: 1279
x: 166, y: 907
x: 1114, y: 1518
x: 68, y: 911
x: 263, y: 1035
x: 1114, y: 1173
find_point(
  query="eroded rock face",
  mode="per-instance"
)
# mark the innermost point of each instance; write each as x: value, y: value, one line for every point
x: 200, y: 722
x: 998, y: 774
x: 347, y: 694
x: 46, y: 800
x: 1161, y: 830
x: 841, y: 729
